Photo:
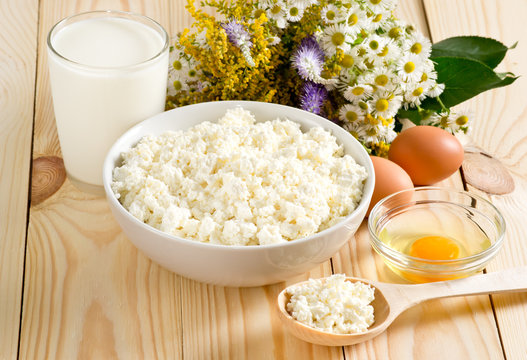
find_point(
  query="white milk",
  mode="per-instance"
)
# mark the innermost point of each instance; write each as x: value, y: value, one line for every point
x: 106, y: 87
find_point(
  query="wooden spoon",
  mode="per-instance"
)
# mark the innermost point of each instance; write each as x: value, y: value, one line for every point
x: 392, y: 299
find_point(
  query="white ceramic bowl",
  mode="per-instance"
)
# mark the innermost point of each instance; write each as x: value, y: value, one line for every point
x: 235, y: 265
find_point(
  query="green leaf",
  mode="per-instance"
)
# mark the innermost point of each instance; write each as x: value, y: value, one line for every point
x: 463, y: 79
x: 488, y: 51
x: 466, y: 78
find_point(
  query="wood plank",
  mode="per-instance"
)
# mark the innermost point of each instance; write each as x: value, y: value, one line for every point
x: 18, y: 56
x: 180, y: 17
x: 88, y: 292
x: 452, y: 328
x: 412, y: 11
x: 241, y: 323
x: 500, y: 128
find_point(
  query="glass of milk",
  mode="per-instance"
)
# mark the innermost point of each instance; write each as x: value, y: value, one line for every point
x: 108, y: 71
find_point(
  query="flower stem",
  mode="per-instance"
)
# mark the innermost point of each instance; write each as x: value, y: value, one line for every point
x: 443, y: 107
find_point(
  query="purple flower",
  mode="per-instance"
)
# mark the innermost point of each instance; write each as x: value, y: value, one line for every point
x: 313, y: 97
x: 308, y: 59
x: 239, y: 37
x: 237, y: 34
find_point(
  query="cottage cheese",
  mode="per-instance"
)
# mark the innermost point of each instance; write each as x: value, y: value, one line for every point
x: 336, y: 305
x: 238, y: 182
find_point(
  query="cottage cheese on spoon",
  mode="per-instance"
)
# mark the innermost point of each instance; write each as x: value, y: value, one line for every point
x: 333, y: 305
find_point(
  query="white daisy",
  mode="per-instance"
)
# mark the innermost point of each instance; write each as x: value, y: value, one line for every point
x: 429, y: 81
x: 378, y: 6
x: 366, y: 78
x: 331, y: 14
x: 391, y: 52
x: 441, y: 120
x: 277, y: 11
x: 357, y: 93
x: 390, y: 49
x: 294, y: 11
x: 376, y: 21
x: 349, y: 59
x: 335, y: 37
x: 385, y: 104
x: 409, y: 67
x: 376, y: 43
x: 183, y: 73
x: 259, y: 9
x: 372, y: 135
x: 176, y: 83
x: 414, y: 96
x: 364, y: 105
x: 436, y: 90
x: 453, y: 122
x: 383, y: 77
x: 356, y: 18
x: 429, y: 75
x: 179, y: 64
x: 394, y: 28
x: 418, y: 44
x: 462, y: 120
x: 273, y: 40
x: 377, y: 47
x: 356, y: 129
x: 359, y: 54
x: 350, y: 113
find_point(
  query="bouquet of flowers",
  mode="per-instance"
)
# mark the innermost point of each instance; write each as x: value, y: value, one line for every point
x: 351, y: 61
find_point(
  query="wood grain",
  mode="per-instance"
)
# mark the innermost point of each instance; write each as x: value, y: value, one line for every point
x: 180, y: 18
x: 412, y: 11
x: 486, y: 173
x: 500, y: 129
x: 85, y: 278
x: 455, y: 328
x: 242, y: 323
x: 18, y: 46
x: 88, y: 292
x: 47, y: 176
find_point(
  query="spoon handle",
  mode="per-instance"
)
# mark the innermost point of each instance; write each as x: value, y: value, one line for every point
x: 511, y: 280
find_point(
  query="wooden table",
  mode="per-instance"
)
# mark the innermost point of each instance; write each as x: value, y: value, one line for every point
x: 73, y: 286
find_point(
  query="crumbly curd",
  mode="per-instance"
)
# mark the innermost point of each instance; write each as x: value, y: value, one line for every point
x: 240, y: 182
x: 334, y: 305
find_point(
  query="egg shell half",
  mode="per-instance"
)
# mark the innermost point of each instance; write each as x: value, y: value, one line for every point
x: 389, y: 178
x: 427, y: 153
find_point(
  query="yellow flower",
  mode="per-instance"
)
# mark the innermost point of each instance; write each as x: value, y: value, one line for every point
x: 380, y: 149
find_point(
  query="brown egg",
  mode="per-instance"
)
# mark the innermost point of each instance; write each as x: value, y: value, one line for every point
x: 427, y: 153
x: 389, y: 178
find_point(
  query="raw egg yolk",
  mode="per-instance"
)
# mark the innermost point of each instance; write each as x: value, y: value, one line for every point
x: 434, y: 248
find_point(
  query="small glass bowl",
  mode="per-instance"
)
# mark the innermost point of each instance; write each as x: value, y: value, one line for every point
x: 470, y: 221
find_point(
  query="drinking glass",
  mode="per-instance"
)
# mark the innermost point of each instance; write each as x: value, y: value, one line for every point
x: 108, y: 71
